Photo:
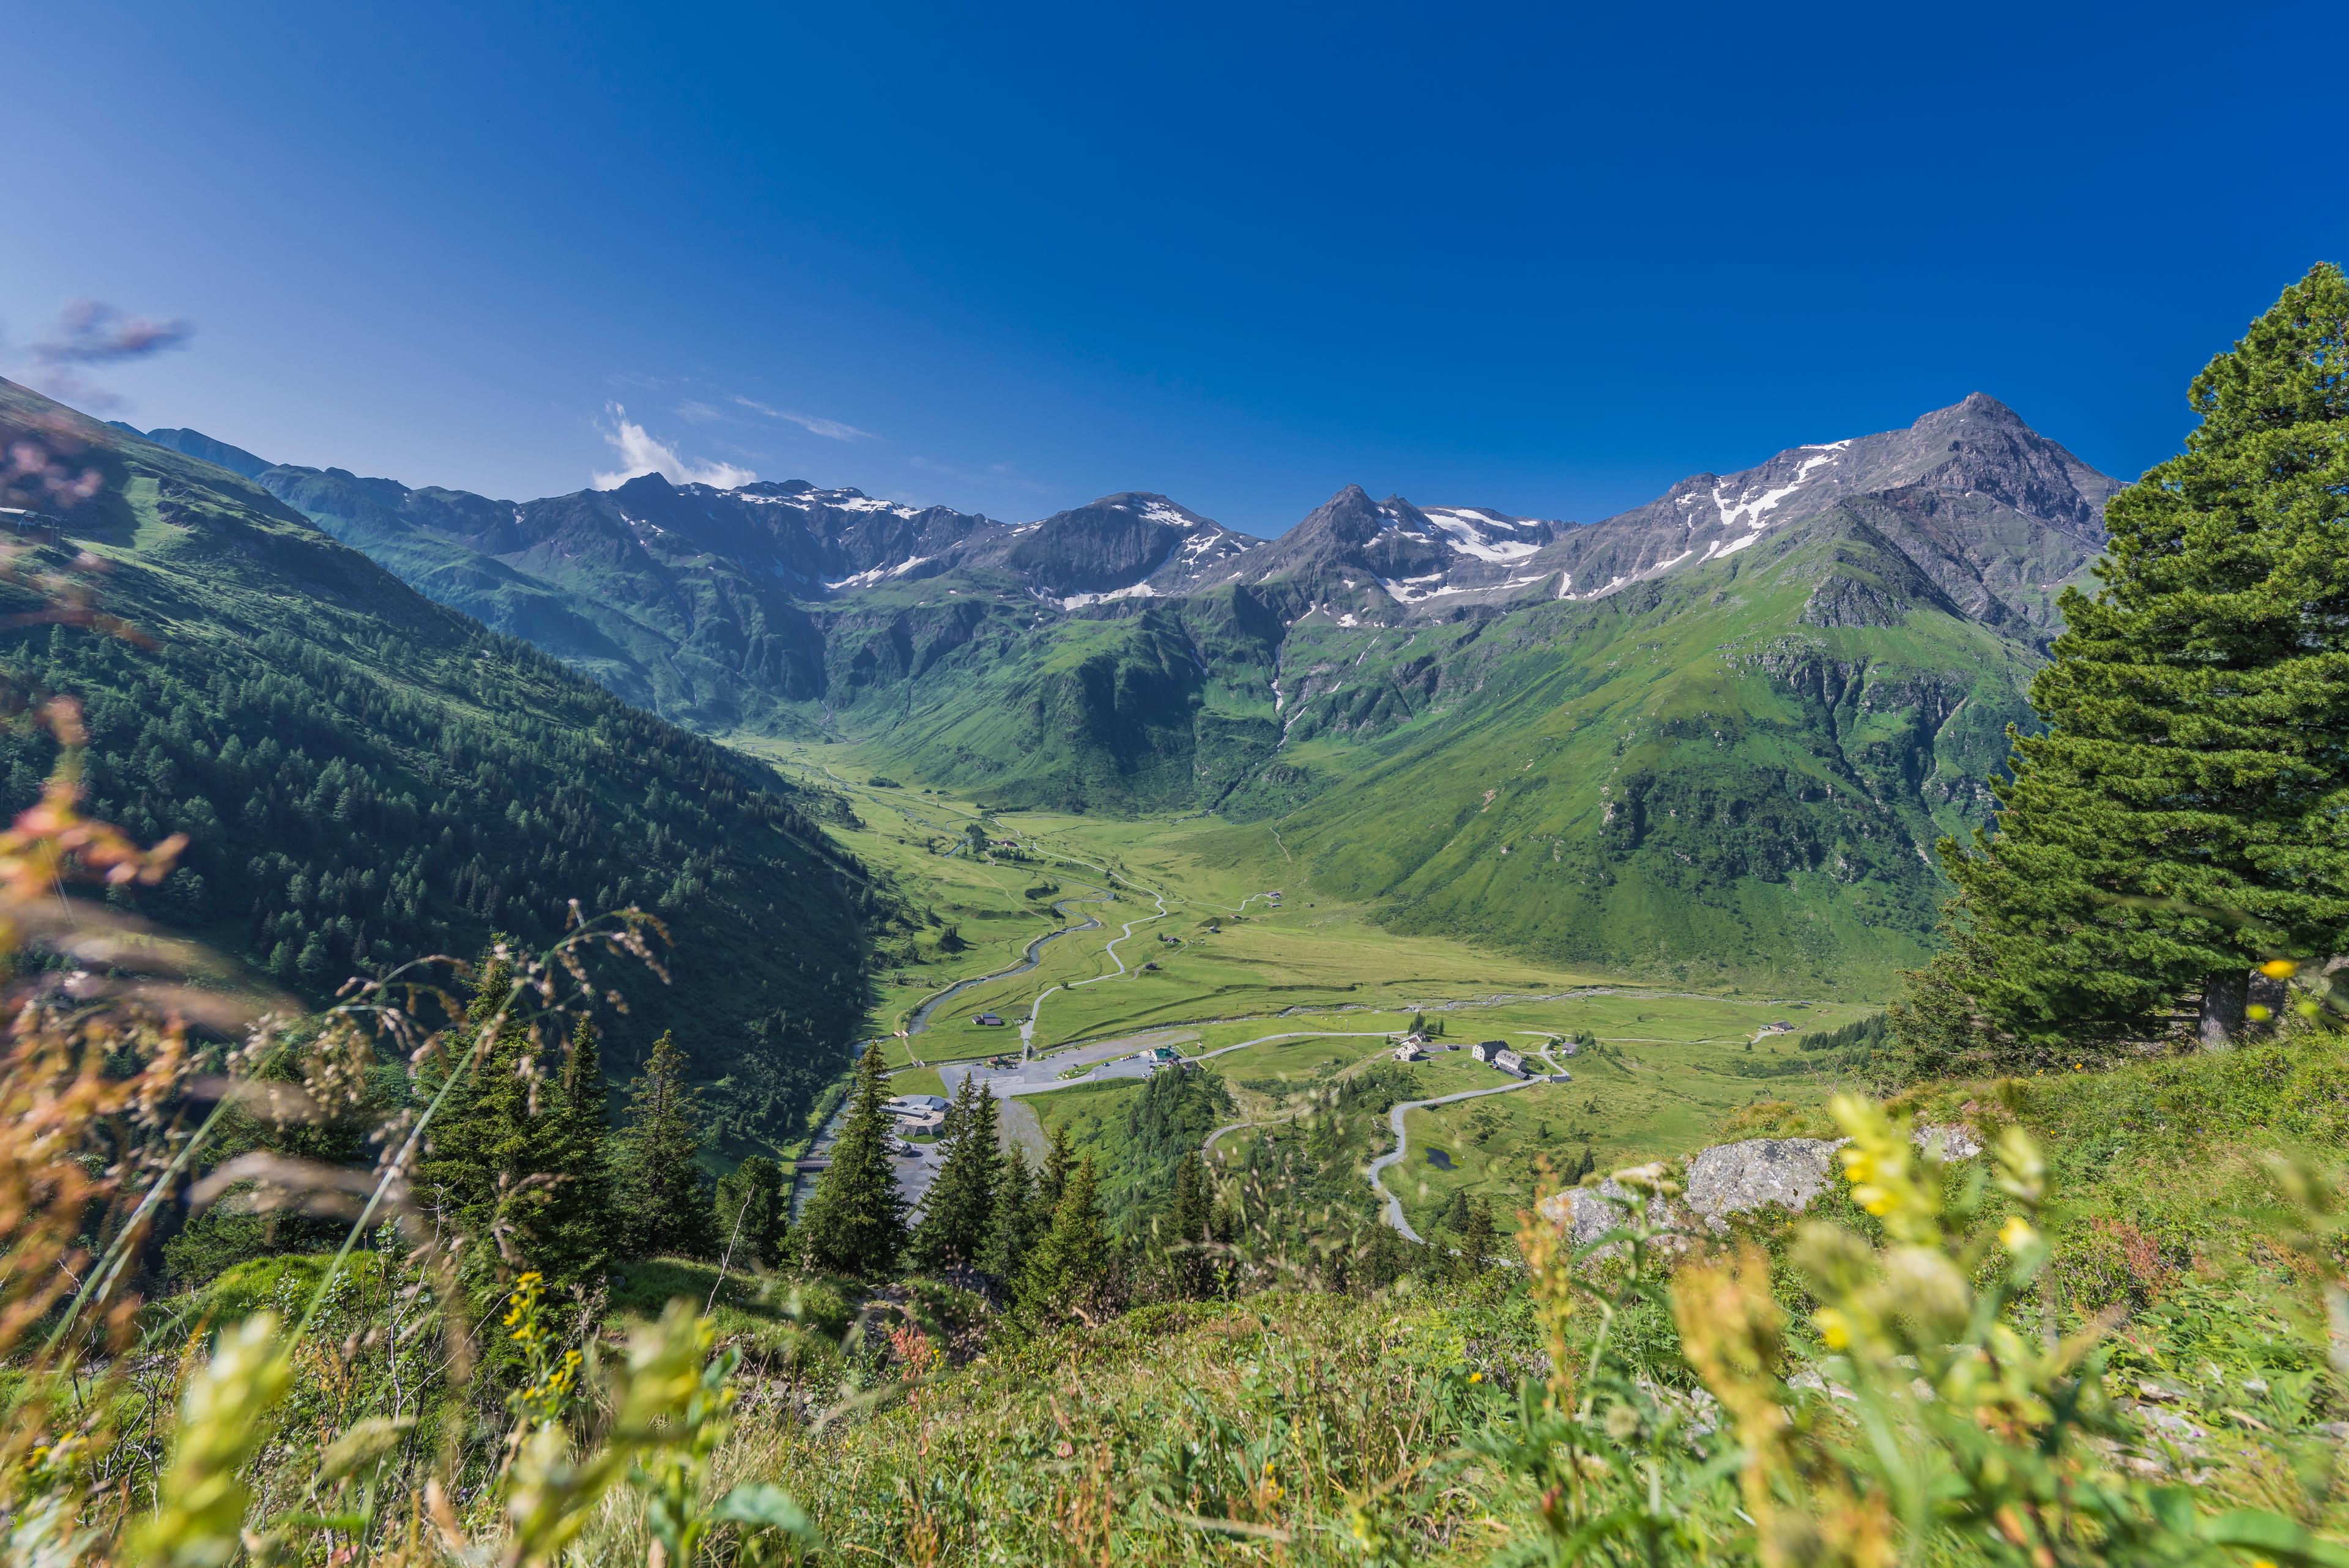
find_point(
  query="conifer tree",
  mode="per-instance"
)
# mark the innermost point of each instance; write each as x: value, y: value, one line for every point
x: 1011, y: 1225
x: 1187, y: 1226
x: 457, y: 1174
x: 1383, y: 1260
x: 1060, y: 1159
x: 2176, y: 822
x: 753, y: 1213
x: 497, y: 1151
x: 576, y: 1225
x: 1455, y: 1212
x: 960, y: 1205
x: 854, y: 1222
x: 1477, y: 1238
x: 659, y: 1201
x: 1068, y: 1269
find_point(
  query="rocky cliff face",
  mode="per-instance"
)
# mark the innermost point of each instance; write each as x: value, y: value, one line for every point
x: 1992, y: 514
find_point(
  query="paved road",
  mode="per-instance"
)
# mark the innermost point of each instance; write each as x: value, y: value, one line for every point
x: 1041, y: 1074
x: 1394, y: 1212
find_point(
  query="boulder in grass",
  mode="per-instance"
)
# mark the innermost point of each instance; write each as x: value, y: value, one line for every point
x: 1739, y: 1177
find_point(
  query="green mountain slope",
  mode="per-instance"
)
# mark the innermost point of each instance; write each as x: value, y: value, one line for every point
x: 965, y: 682
x: 689, y: 634
x: 368, y: 777
x: 1732, y: 773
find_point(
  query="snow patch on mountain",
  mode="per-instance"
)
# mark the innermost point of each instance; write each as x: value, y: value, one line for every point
x: 1079, y: 601
x: 1755, y: 511
x: 1481, y: 533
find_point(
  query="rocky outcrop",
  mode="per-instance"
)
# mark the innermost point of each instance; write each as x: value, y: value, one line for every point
x: 1732, y: 1179
x: 1739, y: 1177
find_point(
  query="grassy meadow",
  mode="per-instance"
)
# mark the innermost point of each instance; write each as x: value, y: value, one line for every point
x: 1308, y: 988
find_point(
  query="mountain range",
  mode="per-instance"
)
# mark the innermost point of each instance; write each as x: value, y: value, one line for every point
x: 1717, y: 733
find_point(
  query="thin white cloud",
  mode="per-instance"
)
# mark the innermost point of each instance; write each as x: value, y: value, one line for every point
x: 1002, y: 474
x: 699, y: 413
x: 641, y: 453
x: 832, y: 428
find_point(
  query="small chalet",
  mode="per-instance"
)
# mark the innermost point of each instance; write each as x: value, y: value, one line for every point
x: 987, y: 1021
x: 1408, y: 1049
x: 1510, y: 1063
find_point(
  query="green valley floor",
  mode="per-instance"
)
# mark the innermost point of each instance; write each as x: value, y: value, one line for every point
x: 1093, y: 939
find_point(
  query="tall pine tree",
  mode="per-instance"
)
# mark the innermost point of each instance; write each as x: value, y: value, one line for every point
x: 1060, y: 1159
x: 1069, y: 1269
x: 496, y: 1154
x: 1185, y: 1235
x: 657, y: 1181
x: 576, y: 1223
x: 1011, y: 1225
x: 855, y: 1222
x: 2177, y: 820
x: 958, y: 1211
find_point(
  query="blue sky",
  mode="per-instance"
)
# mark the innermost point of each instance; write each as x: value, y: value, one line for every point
x: 1546, y: 258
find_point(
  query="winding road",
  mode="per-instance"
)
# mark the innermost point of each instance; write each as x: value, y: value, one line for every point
x: 1393, y: 1213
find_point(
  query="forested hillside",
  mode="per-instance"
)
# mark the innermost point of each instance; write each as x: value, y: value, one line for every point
x: 364, y: 776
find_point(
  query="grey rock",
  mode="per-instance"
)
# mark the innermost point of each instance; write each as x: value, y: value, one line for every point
x: 1586, y: 1214
x: 1958, y: 1140
x: 1739, y: 1177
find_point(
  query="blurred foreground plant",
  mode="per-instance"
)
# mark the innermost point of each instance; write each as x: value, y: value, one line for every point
x: 123, y: 1050
x: 1926, y: 1409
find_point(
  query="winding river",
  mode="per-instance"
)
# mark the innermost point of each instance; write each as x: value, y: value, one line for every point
x: 921, y: 1018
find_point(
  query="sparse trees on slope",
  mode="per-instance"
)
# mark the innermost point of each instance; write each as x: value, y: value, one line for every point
x: 960, y: 1205
x: 656, y: 1180
x: 2178, y: 817
x: 854, y: 1222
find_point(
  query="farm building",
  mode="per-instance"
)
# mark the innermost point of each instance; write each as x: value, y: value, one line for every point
x: 1488, y: 1051
x: 987, y: 1021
